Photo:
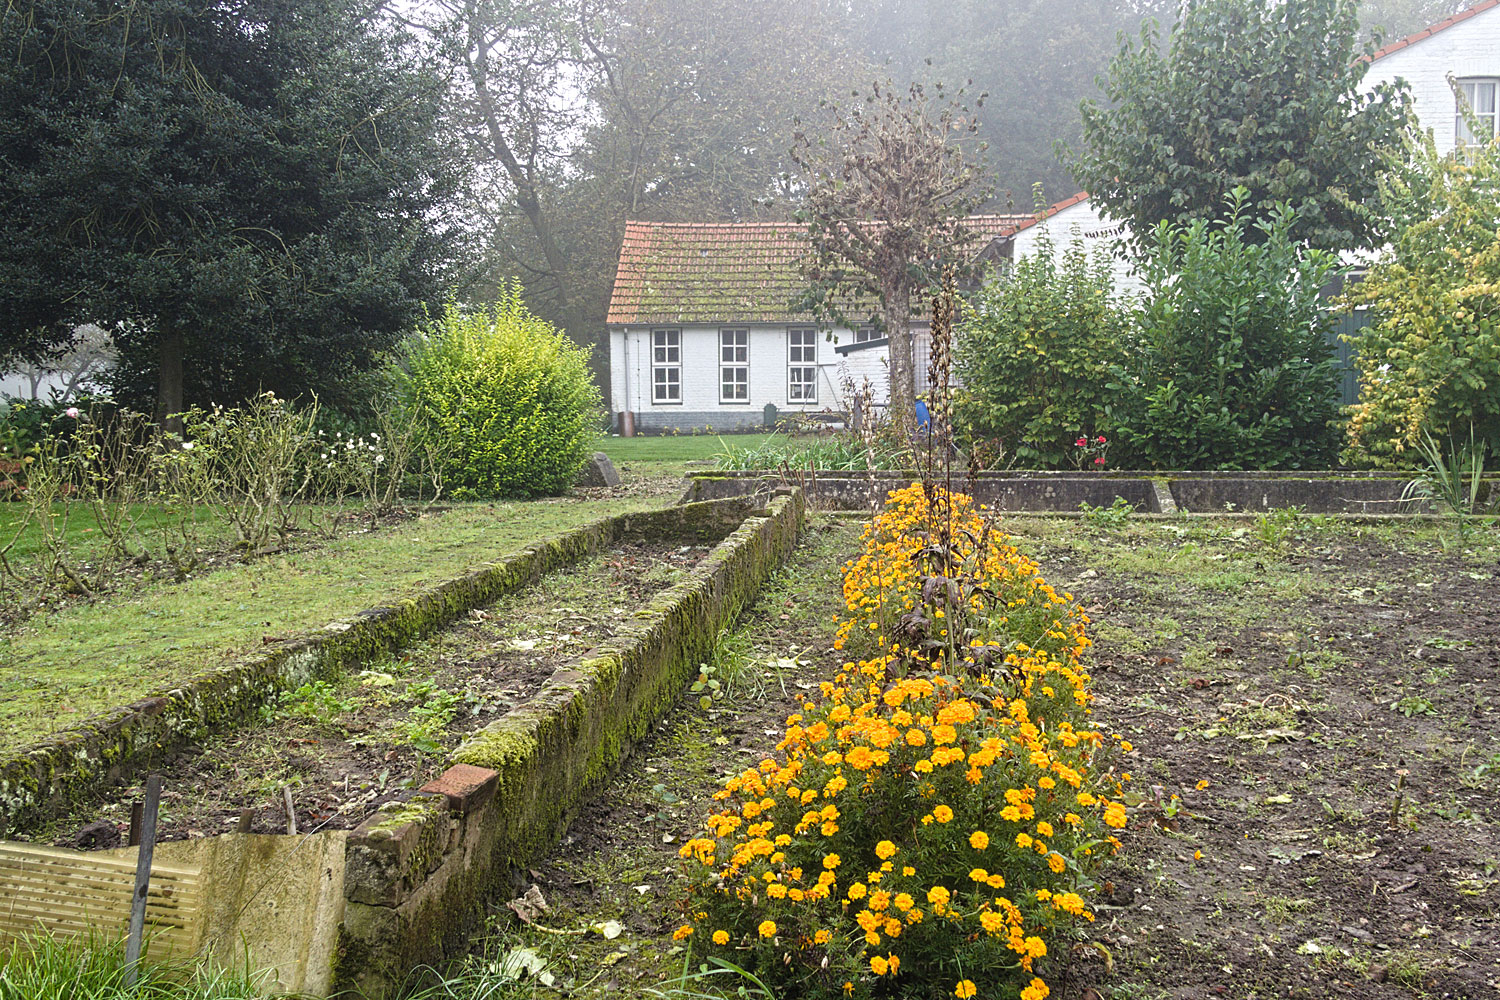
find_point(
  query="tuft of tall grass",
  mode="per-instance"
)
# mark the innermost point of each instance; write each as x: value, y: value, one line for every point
x: 44, y: 967
x: 835, y: 453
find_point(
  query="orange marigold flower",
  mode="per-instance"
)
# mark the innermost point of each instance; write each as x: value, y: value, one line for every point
x: 682, y: 933
x: 979, y: 840
x: 885, y: 850
x: 964, y: 990
x: 767, y: 928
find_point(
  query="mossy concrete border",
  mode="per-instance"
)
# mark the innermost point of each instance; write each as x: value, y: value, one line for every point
x: 547, y: 756
x: 51, y: 776
x: 1333, y: 492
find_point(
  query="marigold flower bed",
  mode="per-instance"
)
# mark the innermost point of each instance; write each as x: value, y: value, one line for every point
x: 936, y: 811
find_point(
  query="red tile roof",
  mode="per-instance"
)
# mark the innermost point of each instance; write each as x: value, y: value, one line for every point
x: 738, y: 272
x: 1054, y: 209
x: 1433, y: 29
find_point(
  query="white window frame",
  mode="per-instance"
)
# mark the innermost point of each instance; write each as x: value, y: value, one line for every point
x: 801, y: 365
x: 666, y: 367
x: 734, y: 365
x: 1471, y: 91
x: 865, y: 334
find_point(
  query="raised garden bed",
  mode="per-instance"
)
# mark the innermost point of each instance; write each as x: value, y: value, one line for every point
x: 1274, y: 689
x: 334, y: 909
x: 54, y: 775
x: 338, y: 749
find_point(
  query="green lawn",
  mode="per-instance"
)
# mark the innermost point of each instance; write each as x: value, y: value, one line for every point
x: 60, y: 668
x: 81, y: 531
x: 669, y: 455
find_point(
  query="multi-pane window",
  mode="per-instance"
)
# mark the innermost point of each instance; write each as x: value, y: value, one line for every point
x: 666, y: 366
x: 865, y: 334
x: 734, y: 366
x: 802, y: 365
x: 1482, y: 97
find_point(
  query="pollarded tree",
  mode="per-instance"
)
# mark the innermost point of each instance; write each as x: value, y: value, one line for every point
x: 888, y: 190
x: 253, y: 193
x: 1262, y: 96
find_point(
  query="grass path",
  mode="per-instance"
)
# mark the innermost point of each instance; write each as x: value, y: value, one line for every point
x: 56, y: 669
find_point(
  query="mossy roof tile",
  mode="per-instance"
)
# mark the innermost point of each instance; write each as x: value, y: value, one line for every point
x: 739, y: 272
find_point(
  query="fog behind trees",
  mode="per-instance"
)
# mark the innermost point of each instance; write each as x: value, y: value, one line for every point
x: 582, y: 113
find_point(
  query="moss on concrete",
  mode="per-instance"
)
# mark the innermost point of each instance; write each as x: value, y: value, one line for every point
x: 552, y: 753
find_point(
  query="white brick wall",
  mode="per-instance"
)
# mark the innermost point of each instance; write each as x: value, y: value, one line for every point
x: 1098, y: 234
x: 870, y: 363
x: 1469, y: 48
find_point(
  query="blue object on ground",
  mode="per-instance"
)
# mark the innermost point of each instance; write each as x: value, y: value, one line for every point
x: 924, y: 419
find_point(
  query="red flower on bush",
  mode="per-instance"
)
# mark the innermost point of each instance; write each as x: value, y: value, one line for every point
x: 1099, y: 460
x: 1100, y: 439
x: 1082, y: 442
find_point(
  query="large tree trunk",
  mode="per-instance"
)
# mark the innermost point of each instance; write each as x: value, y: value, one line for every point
x: 528, y: 198
x: 903, y: 401
x: 169, y: 394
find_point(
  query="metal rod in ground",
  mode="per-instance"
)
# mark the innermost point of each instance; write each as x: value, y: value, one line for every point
x: 142, y: 880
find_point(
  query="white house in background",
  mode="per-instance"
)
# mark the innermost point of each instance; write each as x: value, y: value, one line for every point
x: 1466, y: 47
x: 1079, y: 217
x: 703, y: 331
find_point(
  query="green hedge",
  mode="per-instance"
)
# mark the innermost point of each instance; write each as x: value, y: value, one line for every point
x: 508, y: 398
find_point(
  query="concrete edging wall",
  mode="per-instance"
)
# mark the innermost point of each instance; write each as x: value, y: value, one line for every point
x: 46, y: 778
x: 1063, y: 492
x: 417, y: 874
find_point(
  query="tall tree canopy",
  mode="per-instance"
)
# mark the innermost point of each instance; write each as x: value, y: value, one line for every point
x: 1398, y: 18
x: 1264, y: 96
x: 249, y: 193
x: 583, y: 113
x: 1037, y: 59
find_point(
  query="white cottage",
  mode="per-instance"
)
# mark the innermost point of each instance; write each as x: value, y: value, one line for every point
x: 1079, y: 217
x: 704, y: 331
x: 1466, y: 47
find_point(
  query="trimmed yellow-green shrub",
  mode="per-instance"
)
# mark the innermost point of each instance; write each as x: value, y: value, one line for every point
x: 507, y: 396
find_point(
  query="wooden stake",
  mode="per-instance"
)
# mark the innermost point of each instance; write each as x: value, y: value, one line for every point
x: 291, y: 812
x: 142, y: 879
x: 245, y: 817
x: 136, y: 809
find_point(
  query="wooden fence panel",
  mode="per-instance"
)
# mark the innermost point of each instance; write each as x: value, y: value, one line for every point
x: 48, y: 889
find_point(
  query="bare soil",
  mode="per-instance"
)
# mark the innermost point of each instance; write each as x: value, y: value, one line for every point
x: 1280, y: 681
